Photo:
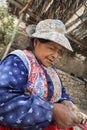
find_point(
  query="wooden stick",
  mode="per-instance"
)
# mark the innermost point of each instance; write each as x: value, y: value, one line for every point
x: 13, y: 36
x: 25, y: 7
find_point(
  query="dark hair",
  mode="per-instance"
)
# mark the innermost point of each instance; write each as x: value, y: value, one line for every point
x: 30, y: 42
x: 43, y: 40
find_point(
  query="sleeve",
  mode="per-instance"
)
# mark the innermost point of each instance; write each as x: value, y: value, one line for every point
x: 17, y: 109
x: 65, y: 96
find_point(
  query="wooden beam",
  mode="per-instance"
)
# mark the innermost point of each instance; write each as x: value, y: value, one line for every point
x: 25, y: 7
x: 76, y: 41
x: 33, y: 15
x: 13, y: 36
x: 15, y: 3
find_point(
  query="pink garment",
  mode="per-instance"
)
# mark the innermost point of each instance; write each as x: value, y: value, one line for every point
x: 83, y: 127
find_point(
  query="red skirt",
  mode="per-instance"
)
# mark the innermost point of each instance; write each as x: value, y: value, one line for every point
x: 53, y: 127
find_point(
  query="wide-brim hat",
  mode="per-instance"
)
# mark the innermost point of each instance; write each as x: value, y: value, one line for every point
x: 50, y: 29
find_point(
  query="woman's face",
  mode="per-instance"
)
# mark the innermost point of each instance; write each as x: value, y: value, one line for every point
x: 46, y: 52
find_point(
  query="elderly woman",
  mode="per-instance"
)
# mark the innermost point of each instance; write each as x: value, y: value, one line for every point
x: 32, y: 96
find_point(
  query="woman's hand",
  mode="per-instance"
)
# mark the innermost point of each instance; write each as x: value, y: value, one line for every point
x: 70, y: 105
x: 82, y: 117
x: 64, y: 117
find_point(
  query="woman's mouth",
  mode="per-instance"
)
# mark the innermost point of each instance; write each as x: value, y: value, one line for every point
x: 50, y: 60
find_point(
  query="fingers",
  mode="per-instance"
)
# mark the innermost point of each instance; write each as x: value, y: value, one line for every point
x: 83, y: 118
x: 70, y: 105
x: 63, y: 117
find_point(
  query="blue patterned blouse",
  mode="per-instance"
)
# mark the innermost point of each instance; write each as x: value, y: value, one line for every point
x: 17, y: 109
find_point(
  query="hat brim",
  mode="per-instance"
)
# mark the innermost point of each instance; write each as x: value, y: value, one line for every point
x: 55, y: 37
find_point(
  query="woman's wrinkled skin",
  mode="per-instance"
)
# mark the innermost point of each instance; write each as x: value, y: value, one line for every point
x: 46, y: 52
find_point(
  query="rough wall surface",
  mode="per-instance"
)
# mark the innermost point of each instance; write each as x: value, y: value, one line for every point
x: 76, y: 88
x: 72, y: 64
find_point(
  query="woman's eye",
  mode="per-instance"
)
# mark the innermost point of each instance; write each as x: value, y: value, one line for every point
x: 51, y: 48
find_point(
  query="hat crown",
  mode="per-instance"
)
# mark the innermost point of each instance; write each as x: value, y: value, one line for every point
x: 50, y: 29
x: 51, y: 25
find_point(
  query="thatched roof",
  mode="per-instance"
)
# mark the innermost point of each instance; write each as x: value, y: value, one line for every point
x: 57, y: 9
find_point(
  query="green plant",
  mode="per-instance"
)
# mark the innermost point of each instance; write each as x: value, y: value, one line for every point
x: 6, y: 25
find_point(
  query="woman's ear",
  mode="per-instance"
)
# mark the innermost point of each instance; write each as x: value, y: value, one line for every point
x: 35, y: 42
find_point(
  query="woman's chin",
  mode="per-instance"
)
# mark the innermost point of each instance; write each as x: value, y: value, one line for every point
x: 47, y: 64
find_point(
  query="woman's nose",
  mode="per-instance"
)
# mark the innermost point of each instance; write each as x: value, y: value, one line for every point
x: 55, y: 55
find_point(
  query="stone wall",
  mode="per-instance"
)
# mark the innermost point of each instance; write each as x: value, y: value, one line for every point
x: 76, y: 88
x: 72, y: 63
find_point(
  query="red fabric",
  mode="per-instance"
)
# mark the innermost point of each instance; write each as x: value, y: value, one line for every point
x: 53, y: 127
x: 84, y: 127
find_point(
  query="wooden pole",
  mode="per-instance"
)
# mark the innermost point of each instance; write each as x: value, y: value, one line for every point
x: 13, y: 36
x: 21, y: 13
